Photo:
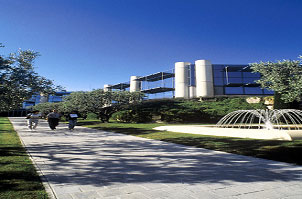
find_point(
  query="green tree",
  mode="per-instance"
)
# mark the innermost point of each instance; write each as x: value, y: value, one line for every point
x: 283, y: 77
x: 19, y: 81
x: 76, y: 101
x: 47, y: 107
x: 99, y: 102
x: 104, y: 104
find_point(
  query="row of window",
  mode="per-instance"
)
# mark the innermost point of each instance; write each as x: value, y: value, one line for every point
x: 241, y: 90
x: 36, y: 99
x: 236, y: 80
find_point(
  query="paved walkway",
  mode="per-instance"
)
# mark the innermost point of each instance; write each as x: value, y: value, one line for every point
x: 88, y: 163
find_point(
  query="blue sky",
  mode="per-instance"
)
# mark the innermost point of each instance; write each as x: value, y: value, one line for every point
x: 85, y: 44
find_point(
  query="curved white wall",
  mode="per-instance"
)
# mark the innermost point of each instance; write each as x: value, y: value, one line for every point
x: 192, y: 92
x: 204, y: 78
x: 134, y: 85
x: 181, y: 80
x: 106, y: 87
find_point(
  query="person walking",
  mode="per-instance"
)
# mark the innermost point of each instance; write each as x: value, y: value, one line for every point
x: 33, y: 119
x: 72, y: 119
x: 53, y: 119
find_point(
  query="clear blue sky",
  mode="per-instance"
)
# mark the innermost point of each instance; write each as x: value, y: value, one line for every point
x: 85, y: 44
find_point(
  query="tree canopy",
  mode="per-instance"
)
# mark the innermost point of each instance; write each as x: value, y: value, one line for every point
x: 19, y: 81
x: 283, y: 77
x: 99, y: 102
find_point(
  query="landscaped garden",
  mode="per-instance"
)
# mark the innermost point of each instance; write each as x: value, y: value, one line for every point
x: 18, y: 176
x: 138, y: 119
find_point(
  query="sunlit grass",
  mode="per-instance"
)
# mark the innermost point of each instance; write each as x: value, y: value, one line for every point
x: 18, y: 177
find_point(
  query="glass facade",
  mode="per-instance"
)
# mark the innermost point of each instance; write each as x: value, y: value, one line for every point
x: 36, y: 99
x: 192, y: 75
x: 236, y: 80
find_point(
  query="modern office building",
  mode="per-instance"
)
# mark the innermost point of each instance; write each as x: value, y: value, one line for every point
x: 201, y: 79
x: 38, y: 98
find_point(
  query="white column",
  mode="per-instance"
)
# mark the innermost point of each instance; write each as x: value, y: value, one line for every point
x: 43, y: 98
x: 192, y: 92
x: 192, y: 87
x: 106, y: 87
x: 134, y: 84
x: 204, y: 78
x: 181, y: 80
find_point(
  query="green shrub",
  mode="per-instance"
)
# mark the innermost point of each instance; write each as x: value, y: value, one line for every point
x: 279, y: 103
x: 92, y: 116
x: 208, y: 111
x: 141, y: 117
x: 181, y: 115
x: 122, y: 116
x: 63, y: 119
x: 183, y: 111
x: 133, y: 116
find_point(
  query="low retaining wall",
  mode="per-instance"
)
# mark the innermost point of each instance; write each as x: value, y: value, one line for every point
x: 235, y: 132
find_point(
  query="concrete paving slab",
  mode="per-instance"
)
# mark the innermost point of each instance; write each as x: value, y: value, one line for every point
x: 88, y: 163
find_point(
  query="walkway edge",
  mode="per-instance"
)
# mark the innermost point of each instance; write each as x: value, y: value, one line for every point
x: 48, y: 189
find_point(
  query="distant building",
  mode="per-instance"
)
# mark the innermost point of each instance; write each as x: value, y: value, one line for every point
x: 36, y: 99
x: 199, y: 80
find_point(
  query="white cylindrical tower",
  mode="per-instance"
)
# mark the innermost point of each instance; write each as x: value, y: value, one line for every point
x: 204, y: 78
x: 106, y: 87
x: 182, y: 80
x: 192, y: 92
x: 135, y: 85
x: 43, y: 98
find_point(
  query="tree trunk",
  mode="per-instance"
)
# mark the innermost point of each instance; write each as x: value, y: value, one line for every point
x: 279, y: 103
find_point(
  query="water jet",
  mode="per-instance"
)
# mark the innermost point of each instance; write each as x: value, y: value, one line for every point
x: 283, y: 124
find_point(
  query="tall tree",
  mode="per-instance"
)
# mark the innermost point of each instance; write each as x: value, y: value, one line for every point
x: 102, y: 103
x: 283, y: 77
x: 19, y: 81
x: 76, y: 101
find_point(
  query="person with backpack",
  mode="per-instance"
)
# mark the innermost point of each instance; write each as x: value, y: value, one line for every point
x: 33, y: 119
x: 72, y: 119
x: 53, y: 119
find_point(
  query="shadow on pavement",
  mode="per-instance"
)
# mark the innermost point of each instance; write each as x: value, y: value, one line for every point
x: 99, y: 158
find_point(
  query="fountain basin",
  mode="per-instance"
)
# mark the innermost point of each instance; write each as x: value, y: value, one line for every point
x: 213, y: 130
x: 284, y: 124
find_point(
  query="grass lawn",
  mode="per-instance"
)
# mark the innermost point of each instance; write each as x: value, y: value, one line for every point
x: 284, y: 151
x: 18, y: 177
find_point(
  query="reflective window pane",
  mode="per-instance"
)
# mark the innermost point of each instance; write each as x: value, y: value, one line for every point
x: 218, y: 90
x: 248, y: 74
x: 218, y: 67
x: 249, y: 80
x: 253, y: 91
x: 268, y: 92
x: 218, y: 81
x: 218, y: 73
x: 234, y: 74
x: 233, y: 90
x: 234, y: 80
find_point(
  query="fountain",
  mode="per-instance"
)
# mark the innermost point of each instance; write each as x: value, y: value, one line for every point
x: 284, y: 124
x: 263, y: 119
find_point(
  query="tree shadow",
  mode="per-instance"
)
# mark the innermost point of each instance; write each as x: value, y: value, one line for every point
x: 12, y: 151
x: 267, y: 149
x: 79, y: 123
x: 100, y: 158
x: 113, y: 161
x: 127, y: 131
